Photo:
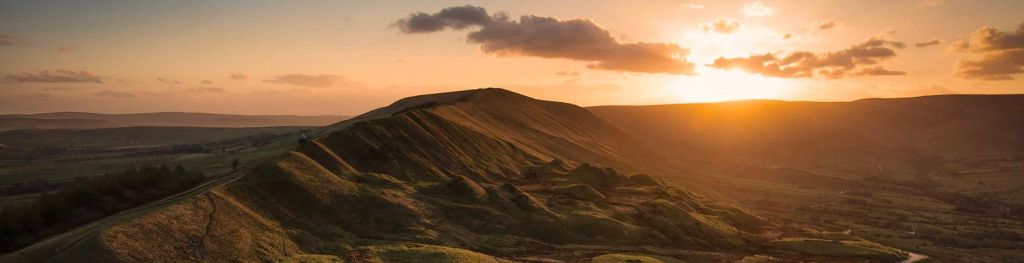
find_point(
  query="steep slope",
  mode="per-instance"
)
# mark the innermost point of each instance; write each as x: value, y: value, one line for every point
x: 547, y: 129
x: 444, y: 175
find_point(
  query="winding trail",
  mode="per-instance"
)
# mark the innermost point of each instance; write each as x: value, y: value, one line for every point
x: 201, y: 249
x: 55, y: 246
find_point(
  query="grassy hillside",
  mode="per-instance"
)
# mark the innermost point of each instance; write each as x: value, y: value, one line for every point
x: 475, y: 176
x: 85, y: 120
x: 939, y: 175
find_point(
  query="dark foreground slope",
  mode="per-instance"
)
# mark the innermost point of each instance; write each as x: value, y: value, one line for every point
x: 938, y: 175
x: 474, y: 176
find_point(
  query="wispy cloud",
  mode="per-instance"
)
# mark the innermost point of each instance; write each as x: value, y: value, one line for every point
x: 313, y: 81
x: 59, y: 89
x: 692, y: 6
x: 66, y: 49
x: 930, y: 3
x: 758, y: 9
x: 568, y: 73
x: 238, y: 76
x: 206, y: 90
x: 114, y: 94
x: 6, y: 40
x: 878, y: 71
x: 168, y: 81
x: 721, y: 26
x: 56, y: 76
x: 928, y: 43
x: 825, y: 25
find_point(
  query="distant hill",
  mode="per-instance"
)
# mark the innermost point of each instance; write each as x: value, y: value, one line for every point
x: 85, y: 120
x: 951, y: 126
x: 473, y: 176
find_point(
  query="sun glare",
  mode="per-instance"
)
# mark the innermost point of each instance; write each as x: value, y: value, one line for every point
x: 711, y: 85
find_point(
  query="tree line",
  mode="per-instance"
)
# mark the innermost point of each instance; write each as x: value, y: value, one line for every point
x: 88, y: 200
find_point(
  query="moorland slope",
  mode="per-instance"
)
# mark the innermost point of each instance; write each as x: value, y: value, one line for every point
x: 474, y: 176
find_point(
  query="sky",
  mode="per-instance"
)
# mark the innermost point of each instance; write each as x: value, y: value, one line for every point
x: 348, y: 57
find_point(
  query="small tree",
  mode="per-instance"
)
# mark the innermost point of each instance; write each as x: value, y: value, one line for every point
x: 234, y: 164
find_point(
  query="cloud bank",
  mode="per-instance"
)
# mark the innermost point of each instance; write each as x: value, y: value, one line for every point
x: 996, y: 54
x: 858, y: 60
x: 548, y: 37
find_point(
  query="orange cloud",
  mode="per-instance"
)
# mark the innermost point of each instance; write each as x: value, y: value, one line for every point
x: 998, y: 55
x: 721, y: 26
x: 831, y: 65
x: 547, y: 37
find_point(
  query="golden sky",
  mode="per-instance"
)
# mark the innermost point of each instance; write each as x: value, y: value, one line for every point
x: 347, y: 57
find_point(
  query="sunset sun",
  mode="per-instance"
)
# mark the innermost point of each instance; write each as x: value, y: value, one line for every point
x: 713, y: 85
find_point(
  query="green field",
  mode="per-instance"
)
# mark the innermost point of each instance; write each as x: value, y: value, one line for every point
x: 48, y: 159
